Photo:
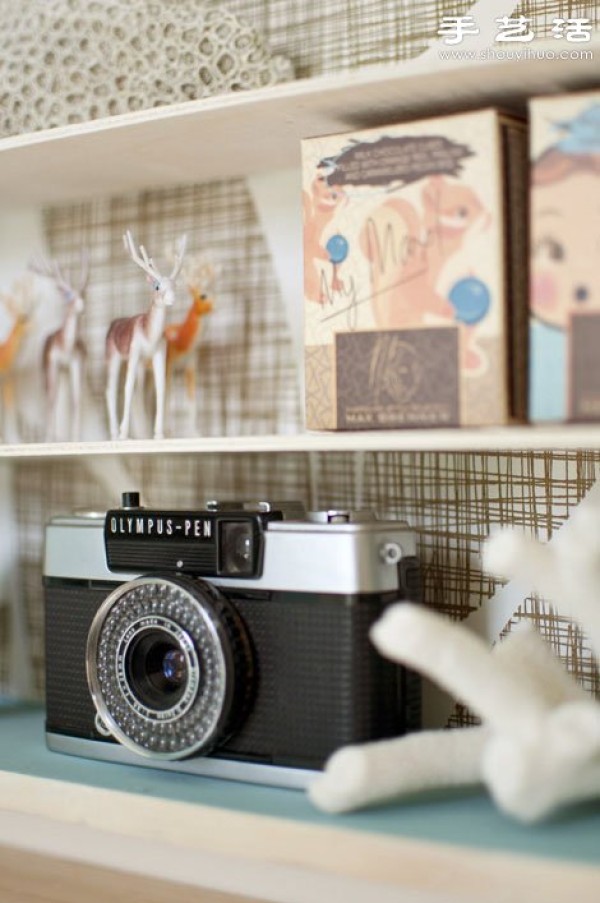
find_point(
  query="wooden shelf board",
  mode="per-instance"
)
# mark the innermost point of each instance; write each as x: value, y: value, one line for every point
x: 445, y: 846
x: 568, y: 437
x: 260, y: 130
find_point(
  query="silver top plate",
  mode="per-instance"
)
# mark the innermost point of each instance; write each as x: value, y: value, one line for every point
x: 300, y: 556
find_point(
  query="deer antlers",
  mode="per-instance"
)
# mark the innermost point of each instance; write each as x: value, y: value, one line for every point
x: 19, y: 300
x: 199, y: 272
x: 51, y: 269
x: 147, y: 264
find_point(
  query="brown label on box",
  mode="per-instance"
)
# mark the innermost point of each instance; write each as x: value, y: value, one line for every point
x: 584, y: 367
x: 397, y: 378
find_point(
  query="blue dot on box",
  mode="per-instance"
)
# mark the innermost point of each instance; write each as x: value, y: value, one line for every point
x: 471, y: 300
x: 337, y: 248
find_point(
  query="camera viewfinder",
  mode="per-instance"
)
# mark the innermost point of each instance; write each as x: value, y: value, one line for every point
x: 237, y: 548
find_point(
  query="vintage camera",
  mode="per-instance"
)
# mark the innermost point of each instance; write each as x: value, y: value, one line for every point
x: 230, y: 641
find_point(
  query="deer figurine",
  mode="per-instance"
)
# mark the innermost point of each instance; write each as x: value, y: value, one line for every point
x: 182, y: 338
x: 140, y: 338
x: 18, y: 304
x: 64, y: 349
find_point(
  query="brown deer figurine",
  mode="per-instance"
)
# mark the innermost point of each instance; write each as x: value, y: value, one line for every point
x: 64, y: 349
x: 140, y: 338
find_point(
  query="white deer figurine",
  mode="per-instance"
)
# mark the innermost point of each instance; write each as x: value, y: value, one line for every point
x: 64, y: 350
x: 141, y: 338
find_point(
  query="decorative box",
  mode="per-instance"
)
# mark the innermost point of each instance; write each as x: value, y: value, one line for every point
x: 414, y: 274
x: 564, y: 364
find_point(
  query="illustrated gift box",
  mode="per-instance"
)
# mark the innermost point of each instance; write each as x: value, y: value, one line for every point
x: 565, y: 277
x: 414, y: 274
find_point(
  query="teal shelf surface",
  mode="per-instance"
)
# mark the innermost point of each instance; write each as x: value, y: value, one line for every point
x: 467, y: 819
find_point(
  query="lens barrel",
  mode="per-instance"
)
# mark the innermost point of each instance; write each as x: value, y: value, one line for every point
x: 165, y: 660
x: 157, y: 669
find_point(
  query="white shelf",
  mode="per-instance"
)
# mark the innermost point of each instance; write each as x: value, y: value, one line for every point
x: 260, y: 130
x: 568, y: 437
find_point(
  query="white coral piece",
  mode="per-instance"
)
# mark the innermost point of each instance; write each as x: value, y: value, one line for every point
x: 69, y: 61
x: 539, y: 745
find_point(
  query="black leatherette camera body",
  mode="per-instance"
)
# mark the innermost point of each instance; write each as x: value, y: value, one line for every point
x: 310, y: 682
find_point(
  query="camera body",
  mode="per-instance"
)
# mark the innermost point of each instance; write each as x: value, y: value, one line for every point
x: 232, y: 641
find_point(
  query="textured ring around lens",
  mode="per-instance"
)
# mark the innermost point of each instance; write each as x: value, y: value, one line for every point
x: 188, y: 618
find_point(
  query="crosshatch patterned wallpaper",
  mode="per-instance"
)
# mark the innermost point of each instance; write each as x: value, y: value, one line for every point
x: 327, y: 37
x: 248, y: 381
x: 451, y: 500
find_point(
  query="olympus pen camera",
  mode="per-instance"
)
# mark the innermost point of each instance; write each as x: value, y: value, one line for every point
x: 231, y: 641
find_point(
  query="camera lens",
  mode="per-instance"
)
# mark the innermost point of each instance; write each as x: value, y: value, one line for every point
x: 173, y: 666
x: 156, y: 669
x: 169, y: 666
x: 237, y: 548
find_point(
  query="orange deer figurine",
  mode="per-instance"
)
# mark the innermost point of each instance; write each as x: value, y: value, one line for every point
x: 18, y: 305
x: 182, y: 338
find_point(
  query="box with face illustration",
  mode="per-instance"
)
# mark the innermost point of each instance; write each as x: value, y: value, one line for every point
x: 565, y: 247
x: 415, y: 311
